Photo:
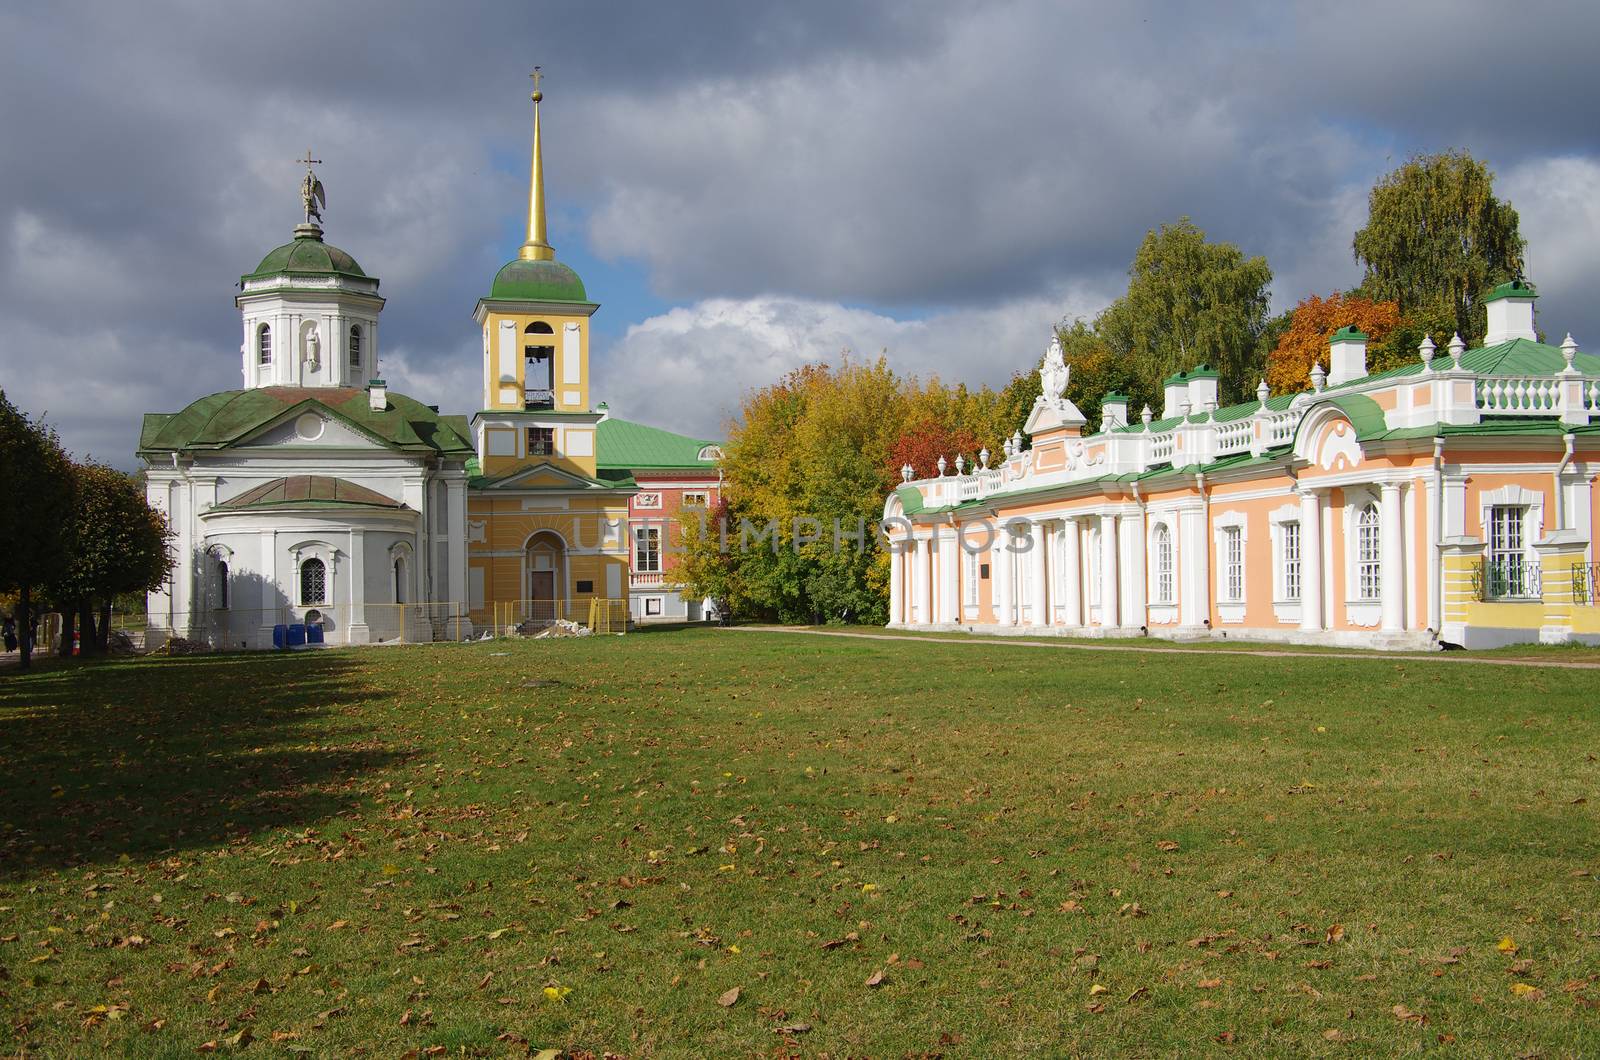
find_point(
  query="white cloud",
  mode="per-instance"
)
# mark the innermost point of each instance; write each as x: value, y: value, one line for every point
x: 687, y: 369
x: 1558, y: 205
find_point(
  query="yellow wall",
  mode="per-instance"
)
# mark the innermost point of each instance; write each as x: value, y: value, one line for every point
x: 579, y: 392
x: 507, y: 528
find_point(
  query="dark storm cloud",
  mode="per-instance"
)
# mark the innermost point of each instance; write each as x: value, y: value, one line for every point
x: 970, y: 157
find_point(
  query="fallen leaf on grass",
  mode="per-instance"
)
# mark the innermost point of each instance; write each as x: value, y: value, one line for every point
x: 1167, y: 845
x: 1335, y: 933
x: 1527, y: 991
x: 1334, y: 1034
x: 729, y: 998
x: 1405, y: 1015
x: 877, y: 978
x: 1209, y: 984
x: 556, y: 993
x: 793, y: 1028
x: 1098, y: 988
x: 1506, y: 945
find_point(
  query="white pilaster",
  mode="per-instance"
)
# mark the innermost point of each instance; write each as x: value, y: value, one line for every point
x: 897, y: 596
x: 1392, y: 553
x: 949, y: 575
x: 1038, y: 596
x: 1071, y: 574
x: 1109, y: 615
x: 356, y: 629
x: 456, y: 537
x: 1004, y: 581
x: 1310, y: 561
x: 921, y: 574
x: 1133, y: 584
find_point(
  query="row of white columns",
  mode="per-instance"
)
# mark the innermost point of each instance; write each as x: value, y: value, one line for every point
x: 944, y: 544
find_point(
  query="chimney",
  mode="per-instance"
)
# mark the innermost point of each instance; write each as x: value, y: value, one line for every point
x: 604, y: 410
x: 1510, y: 312
x: 1347, y: 355
x: 1113, y: 411
x: 378, y: 395
x: 1203, y: 388
x: 1176, y: 391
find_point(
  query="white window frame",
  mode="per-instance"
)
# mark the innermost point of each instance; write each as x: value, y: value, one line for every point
x: 1285, y: 606
x: 263, y: 345
x: 970, y: 569
x: 1513, y: 496
x: 647, y: 549
x: 301, y: 570
x: 329, y: 556
x: 696, y: 499
x: 1230, y: 592
x: 1163, y: 565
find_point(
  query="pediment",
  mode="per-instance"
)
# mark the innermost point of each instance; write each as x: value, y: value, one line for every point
x: 312, y: 426
x: 543, y: 476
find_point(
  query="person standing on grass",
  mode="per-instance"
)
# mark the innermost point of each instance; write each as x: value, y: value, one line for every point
x: 10, y: 633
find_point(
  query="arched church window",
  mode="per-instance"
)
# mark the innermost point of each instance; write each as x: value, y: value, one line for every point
x: 399, y: 580
x: 264, y: 345
x: 313, y: 582
x: 222, y: 584
x: 1163, y: 564
x: 1369, y: 553
x: 355, y: 347
x: 539, y: 356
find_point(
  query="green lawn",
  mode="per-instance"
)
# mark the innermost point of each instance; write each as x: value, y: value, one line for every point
x: 1026, y: 851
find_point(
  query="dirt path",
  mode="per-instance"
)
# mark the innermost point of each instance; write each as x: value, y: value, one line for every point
x: 1453, y: 658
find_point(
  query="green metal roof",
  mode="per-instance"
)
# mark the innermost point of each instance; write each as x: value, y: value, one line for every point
x: 220, y: 420
x: 307, y: 255
x: 1513, y: 289
x: 626, y: 445
x: 1364, y: 414
x: 308, y: 491
x: 537, y: 281
x: 1349, y: 333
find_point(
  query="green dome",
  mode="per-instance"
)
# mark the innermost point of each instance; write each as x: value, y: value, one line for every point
x: 538, y: 281
x: 307, y: 254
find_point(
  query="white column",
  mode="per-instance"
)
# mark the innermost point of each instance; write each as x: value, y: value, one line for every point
x: 921, y: 574
x: 1004, y: 581
x: 949, y: 575
x: 1133, y: 584
x: 1310, y: 561
x: 897, y: 596
x: 1038, y: 596
x: 1392, y: 553
x: 356, y: 629
x: 1109, y: 616
x: 1071, y: 574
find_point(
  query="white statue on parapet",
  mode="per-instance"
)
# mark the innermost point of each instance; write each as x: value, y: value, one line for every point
x: 1053, y: 373
x: 1054, y: 411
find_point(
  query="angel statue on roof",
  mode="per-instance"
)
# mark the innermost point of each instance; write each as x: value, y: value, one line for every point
x: 311, y: 194
x: 1054, y: 372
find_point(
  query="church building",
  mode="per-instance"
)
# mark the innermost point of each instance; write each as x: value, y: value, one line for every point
x: 315, y: 496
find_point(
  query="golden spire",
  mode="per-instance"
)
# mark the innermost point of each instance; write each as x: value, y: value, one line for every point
x: 537, y: 248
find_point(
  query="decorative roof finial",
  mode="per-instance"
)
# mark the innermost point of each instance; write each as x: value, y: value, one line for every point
x: 1457, y: 348
x: 961, y: 464
x: 1146, y: 416
x: 906, y: 474
x: 1262, y: 393
x: 1319, y: 377
x: 1425, y: 350
x: 537, y: 248
x: 941, y: 465
x: 983, y: 458
x: 312, y: 196
x: 1569, y: 352
x: 1053, y: 372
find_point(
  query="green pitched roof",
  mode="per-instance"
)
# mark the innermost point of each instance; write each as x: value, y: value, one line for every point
x: 307, y: 255
x: 217, y: 421
x: 537, y: 281
x: 626, y: 445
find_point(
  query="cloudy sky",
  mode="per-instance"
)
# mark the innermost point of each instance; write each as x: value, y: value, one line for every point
x: 744, y: 187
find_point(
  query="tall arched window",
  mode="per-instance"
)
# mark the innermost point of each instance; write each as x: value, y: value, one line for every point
x: 355, y: 347
x: 264, y: 345
x: 1163, y: 550
x: 222, y: 584
x: 399, y: 579
x: 313, y: 582
x: 538, y: 370
x: 1369, y: 554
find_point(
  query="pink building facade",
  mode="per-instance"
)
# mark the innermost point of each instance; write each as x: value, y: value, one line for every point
x: 1448, y: 502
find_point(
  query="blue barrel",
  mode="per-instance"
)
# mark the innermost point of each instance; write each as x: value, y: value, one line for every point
x: 314, y: 633
x: 280, y: 636
x: 297, y: 635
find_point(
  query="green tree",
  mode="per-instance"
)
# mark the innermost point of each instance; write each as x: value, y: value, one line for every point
x: 116, y: 543
x: 1190, y: 301
x: 37, y: 488
x: 1437, y: 240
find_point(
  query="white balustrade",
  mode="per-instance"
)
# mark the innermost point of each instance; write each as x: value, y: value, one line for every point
x: 1518, y: 395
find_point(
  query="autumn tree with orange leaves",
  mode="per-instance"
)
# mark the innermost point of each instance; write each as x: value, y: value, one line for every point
x: 1314, y: 321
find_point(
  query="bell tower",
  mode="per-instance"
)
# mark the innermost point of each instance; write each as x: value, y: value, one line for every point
x: 535, y: 324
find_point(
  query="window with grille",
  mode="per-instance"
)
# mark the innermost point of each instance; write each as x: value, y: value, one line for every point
x: 1291, y: 560
x: 263, y: 345
x: 355, y: 346
x: 541, y: 441
x: 313, y: 582
x: 647, y: 550
x: 1508, y: 561
x: 1369, y: 554
x: 1233, y: 563
x: 1163, y: 549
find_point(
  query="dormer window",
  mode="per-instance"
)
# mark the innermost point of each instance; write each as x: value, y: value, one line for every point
x: 355, y: 347
x: 264, y: 345
x: 538, y: 370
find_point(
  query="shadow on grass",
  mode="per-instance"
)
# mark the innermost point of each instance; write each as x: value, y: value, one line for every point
x: 146, y: 757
